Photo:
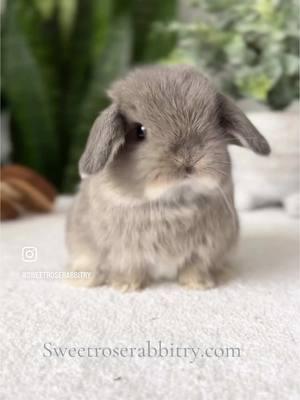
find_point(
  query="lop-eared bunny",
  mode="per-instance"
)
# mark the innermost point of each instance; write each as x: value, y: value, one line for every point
x: 156, y: 200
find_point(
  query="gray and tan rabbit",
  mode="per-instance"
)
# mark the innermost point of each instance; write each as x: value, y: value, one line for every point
x: 156, y: 200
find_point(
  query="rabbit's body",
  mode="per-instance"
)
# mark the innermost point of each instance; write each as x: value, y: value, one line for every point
x: 131, y: 244
x: 160, y: 207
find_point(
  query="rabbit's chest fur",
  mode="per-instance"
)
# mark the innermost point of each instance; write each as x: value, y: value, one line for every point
x: 158, y: 237
x: 161, y: 236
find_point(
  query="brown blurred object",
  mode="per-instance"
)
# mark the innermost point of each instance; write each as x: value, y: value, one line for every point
x: 22, y: 189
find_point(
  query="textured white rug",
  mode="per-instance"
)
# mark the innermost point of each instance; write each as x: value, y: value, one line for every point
x: 255, y: 312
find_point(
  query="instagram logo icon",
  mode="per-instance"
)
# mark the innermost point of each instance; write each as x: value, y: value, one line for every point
x: 29, y: 254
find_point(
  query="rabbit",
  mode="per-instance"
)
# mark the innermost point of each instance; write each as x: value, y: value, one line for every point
x: 156, y: 198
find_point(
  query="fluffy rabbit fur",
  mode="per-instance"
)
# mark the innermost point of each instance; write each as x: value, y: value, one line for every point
x: 157, y: 201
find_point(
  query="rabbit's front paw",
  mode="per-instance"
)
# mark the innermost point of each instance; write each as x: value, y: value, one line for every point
x: 135, y: 280
x: 192, y: 277
x: 83, y: 272
x: 127, y: 286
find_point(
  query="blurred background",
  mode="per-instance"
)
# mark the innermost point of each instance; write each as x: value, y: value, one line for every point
x: 59, y: 57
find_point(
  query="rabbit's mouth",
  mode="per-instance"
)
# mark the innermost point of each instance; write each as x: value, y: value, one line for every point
x: 189, y: 187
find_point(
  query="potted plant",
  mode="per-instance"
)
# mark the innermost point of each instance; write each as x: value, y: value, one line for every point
x: 251, y: 49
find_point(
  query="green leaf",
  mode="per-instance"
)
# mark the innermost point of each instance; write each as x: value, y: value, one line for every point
x: 35, y: 139
x: 66, y: 15
x: 236, y: 49
x: 291, y: 64
x: 266, y: 8
x: 254, y: 83
x: 110, y: 64
x: 148, y: 46
x: 181, y: 56
x: 45, y: 7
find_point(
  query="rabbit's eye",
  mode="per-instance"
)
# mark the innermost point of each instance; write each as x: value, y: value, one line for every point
x: 140, y: 132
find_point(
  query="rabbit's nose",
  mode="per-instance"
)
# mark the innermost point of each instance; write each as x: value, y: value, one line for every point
x: 189, y: 169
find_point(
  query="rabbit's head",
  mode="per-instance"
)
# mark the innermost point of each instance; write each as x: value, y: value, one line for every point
x: 167, y: 128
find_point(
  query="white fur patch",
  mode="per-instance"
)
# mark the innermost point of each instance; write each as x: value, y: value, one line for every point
x: 157, y: 190
x: 188, y: 188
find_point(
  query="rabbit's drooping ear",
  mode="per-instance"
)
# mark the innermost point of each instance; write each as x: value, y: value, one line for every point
x: 238, y: 129
x: 105, y: 138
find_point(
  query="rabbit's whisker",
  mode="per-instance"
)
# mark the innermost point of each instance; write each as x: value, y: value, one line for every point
x: 217, y: 171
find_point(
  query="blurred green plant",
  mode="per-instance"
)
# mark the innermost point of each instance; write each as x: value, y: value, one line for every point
x: 250, y: 47
x: 58, y: 58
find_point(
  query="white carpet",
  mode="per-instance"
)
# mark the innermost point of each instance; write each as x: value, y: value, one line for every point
x: 256, y: 309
